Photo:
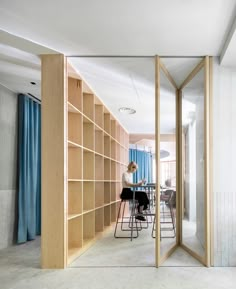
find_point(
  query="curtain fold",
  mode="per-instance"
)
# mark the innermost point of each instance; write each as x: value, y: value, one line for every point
x: 29, y: 169
x: 144, y: 161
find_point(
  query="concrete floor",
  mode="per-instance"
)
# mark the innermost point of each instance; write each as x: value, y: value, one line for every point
x: 111, y: 252
x: 20, y: 269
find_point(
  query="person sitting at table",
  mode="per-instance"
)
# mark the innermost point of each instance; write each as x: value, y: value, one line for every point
x: 127, y: 193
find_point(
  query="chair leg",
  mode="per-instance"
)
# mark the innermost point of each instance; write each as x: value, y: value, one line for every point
x: 133, y: 228
x: 123, y: 217
x: 165, y: 220
x: 172, y: 218
x: 154, y: 229
x: 117, y: 219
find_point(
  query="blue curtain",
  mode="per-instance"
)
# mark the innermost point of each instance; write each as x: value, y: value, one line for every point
x: 29, y: 169
x: 144, y: 161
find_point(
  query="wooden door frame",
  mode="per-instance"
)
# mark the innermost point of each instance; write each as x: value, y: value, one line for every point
x: 159, y: 66
x: 206, y: 62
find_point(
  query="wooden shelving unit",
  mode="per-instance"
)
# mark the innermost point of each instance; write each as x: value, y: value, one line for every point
x: 93, y: 153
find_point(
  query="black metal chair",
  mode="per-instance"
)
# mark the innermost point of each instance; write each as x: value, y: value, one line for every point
x: 167, y: 214
x: 129, y: 223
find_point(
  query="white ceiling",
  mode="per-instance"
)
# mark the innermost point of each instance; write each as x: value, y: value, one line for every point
x: 130, y: 82
x: 115, y: 28
x: 228, y: 52
x: 124, y: 27
x: 123, y: 82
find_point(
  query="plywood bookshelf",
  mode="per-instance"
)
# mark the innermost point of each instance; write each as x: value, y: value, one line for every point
x: 81, y: 179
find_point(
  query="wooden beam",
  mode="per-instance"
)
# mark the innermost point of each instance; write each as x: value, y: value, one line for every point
x: 168, y: 75
x: 192, y: 74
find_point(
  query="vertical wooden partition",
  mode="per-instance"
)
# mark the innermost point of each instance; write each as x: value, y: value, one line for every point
x: 84, y: 152
x: 54, y: 157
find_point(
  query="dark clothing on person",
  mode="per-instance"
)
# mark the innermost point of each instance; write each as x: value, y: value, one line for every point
x: 140, y: 196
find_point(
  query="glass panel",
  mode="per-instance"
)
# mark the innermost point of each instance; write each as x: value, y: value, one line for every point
x: 193, y: 225
x: 167, y: 164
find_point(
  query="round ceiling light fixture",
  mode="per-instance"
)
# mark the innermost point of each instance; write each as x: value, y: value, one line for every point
x: 127, y: 110
x: 164, y: 154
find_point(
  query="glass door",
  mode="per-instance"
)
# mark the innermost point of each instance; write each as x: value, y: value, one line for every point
x: 194, y: 156
x: 183, y: 127
x: 167, y: 181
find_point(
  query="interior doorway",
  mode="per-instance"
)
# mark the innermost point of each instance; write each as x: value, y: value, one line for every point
x: 191, y: 115
x: 156, y: 85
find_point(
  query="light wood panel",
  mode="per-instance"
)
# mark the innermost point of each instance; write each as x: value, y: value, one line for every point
x: 107, y: 122
x: 113, y: 128
x: 54, y: 157
x: 75, y: 92
x: 88, y: 105
x: 99, y: 144
x: 107, y: 169
x: 75, y: 128
x: 107, y: 192
x: 99, y: 194
x: 99, y: 116
x: 88, y: 134
x: 84, y: 152
x: 107, y: 146
x: 75, y: 198
x: 99, y: 220
x: 75, y: 240
x: 107, y: 216
x: 88, y: 196
x: 88, y: 226
x: 74, y: 163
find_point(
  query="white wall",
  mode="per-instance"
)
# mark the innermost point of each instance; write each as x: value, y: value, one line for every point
x: 224, y: 164
x: 8, y: 165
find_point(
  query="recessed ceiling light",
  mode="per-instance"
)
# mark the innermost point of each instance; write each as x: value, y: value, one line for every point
x: 127, y: 110
x: 33, y: 83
